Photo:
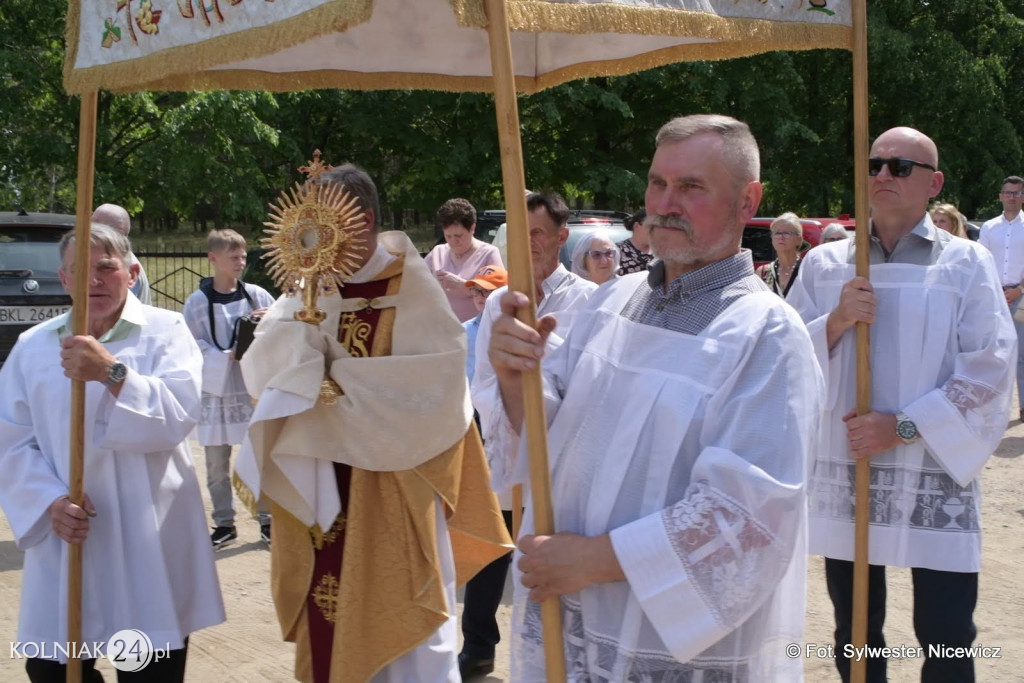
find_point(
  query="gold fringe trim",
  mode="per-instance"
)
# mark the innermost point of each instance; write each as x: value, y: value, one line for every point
x: 738, y: 37
x: 469, y: 13
x: 136, y: 74
x: 584, y: 18
x: 351, y: 80
x: 244, y: 493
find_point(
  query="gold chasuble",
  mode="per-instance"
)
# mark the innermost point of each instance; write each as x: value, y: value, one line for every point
x: 368, y: 589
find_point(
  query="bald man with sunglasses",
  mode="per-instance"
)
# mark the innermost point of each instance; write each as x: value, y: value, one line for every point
x: 943, y: 349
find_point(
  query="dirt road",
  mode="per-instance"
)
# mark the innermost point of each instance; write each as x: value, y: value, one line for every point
x: 248, y: 648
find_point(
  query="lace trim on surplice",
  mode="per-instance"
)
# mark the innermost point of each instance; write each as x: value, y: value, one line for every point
x: 595, y: 658
x: 974, y: 401
x: 730, y: 557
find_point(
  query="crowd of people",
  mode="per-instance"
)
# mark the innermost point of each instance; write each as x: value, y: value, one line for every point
x: 701, y: 426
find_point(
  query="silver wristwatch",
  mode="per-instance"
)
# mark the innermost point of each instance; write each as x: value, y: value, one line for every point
x: 906, y: 429
x: 118, y: 371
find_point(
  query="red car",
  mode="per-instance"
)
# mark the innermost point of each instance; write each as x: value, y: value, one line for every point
x: 757, y: 236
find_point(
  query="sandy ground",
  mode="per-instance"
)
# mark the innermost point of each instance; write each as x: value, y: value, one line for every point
x: 248, y: 648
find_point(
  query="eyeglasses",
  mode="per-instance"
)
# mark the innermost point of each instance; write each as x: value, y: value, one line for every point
x: 899, y: 168
x: 1011, y: 193
x: 479, y: 291
x: 784, y: 233
x: 600, y: 255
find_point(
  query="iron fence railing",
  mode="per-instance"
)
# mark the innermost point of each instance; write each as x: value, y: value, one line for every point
x: 173, y: 274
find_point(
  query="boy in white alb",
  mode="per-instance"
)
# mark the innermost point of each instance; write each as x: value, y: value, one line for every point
x: 211, y: 313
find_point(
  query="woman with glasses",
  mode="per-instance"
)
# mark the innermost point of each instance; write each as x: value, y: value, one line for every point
x: 596, y: 257
x: 787, y: 240
x: 949, y: 218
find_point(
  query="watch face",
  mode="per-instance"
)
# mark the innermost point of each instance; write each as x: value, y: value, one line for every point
x: 118, y: 372
x: 906, y: 429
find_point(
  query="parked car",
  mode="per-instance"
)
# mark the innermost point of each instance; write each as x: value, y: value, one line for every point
x: 757, y: 235
x: 973, y: 228
x: 30, y: 290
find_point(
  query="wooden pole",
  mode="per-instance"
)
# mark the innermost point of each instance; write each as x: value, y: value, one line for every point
x: 858, y: 666
x: 517, y: 510
x: 80, y: 326
x: 520, y: 271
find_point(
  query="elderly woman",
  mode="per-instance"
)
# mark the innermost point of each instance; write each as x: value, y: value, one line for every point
x: 787, y: 239
x: 461, y: 256
x: 596, y: 257
x: 635, y: 251
x: 834, y: 232
x: 949, y: 218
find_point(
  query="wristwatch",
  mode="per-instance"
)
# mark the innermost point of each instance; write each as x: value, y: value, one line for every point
x: 116, y: 374
x: 906, y: 429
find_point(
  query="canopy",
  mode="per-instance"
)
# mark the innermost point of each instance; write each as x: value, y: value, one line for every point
x: 124, y: 45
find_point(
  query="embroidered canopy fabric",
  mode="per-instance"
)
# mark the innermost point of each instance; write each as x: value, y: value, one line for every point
x: 124, y: 45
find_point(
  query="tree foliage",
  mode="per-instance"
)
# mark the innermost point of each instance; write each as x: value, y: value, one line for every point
x: 950, y: 68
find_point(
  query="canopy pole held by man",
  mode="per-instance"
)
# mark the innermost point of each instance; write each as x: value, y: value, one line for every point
x: 80, y: 326
x: 858, y: 670
x: 521, y: 280
x: 517, y: 510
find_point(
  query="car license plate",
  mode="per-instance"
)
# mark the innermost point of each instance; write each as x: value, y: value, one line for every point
x: 29, y: 315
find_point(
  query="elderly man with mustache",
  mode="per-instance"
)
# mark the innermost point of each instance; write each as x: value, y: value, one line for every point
x: 678, y: 466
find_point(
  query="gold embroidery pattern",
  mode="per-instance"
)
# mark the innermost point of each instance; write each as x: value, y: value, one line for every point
x: 353, y: 334
x: 332, y: 534
x: 325, y: 597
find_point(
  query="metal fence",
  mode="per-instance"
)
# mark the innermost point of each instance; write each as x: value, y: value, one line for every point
x: 174, y: 274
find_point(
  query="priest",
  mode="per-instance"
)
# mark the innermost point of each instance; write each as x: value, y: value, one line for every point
x: 380, y: 495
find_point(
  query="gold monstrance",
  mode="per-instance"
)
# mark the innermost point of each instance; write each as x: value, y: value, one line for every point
x: 313, y: 239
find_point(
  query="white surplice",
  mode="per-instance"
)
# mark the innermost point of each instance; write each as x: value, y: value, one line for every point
x: 943, y: 349
x: 564, y: 293
x: 226, y: 405
x: 147, y: 561
x: 693, y: 452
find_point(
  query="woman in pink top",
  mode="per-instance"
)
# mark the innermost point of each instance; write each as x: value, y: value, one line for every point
x: 461, y: 256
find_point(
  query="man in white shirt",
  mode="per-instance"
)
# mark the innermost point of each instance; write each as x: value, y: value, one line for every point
x: 942, y: 356
x: 1004, y: 237
x: 559, y: 293
x: 682, y: 406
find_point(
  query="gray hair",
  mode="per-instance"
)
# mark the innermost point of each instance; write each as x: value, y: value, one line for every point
x: 739, y: 145
x: 579, y: 252
x: 791, y: 219
x: 100, y: 235
x: 358, y: 183
x: 834, y: 230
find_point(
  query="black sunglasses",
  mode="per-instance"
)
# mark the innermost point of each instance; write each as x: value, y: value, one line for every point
x: 899, y: 168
